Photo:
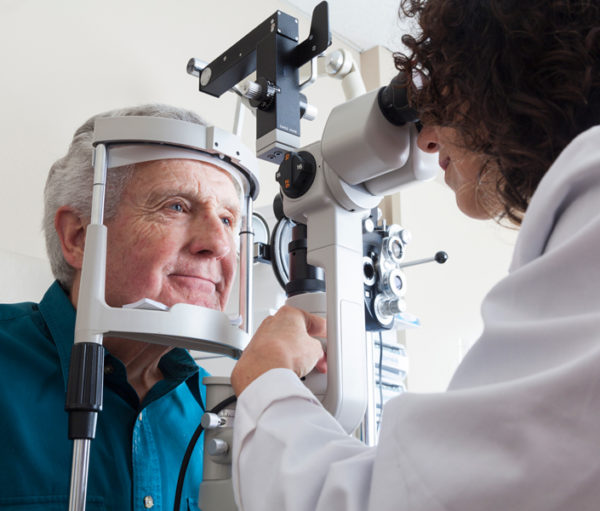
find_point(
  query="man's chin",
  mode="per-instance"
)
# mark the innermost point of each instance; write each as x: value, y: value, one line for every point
x: 209, y: 302
x: 194, y: 291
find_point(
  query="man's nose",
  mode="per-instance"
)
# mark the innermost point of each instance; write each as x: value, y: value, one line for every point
x: 210, y: 236
x: 428, y: 139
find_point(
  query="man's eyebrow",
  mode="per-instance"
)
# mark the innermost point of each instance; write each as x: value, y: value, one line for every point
x: 231, y: 204
x: 163, y: 193
x: 234, y: 208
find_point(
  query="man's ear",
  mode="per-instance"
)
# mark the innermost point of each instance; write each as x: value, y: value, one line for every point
x: 70, y: 228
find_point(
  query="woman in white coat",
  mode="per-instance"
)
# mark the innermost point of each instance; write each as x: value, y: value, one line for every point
x: 509, y: 98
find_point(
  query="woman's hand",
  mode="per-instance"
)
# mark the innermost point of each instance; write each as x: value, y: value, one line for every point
x: 285, y: 340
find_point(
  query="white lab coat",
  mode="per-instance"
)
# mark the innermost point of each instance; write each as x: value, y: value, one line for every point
x: 519, y: 427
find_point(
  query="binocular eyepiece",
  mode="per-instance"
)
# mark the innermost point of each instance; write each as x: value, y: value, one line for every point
x: 393, y: 102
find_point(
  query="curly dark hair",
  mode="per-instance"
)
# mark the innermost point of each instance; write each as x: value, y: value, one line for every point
x: 518, y: 80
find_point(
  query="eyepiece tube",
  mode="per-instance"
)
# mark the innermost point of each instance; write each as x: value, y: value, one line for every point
x: 393, y: 102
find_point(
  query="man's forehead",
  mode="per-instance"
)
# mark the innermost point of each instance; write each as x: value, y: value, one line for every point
x: 191, y: 176
x: 136, y: 139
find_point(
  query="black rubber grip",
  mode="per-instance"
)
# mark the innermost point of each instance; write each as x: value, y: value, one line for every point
x: 84, y: 389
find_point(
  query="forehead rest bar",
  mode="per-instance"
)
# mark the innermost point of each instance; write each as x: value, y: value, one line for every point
x: 224, y: 146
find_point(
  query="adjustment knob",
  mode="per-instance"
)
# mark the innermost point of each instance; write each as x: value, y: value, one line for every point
x: 278, y: 207
x: 441, y: 257
x: 216, y: 447
x: 393, y: 283
x: 296, y: 173
x: 391, y: 307
x: 211, y: 421
x: 251, y: 90
x: 261, y: 93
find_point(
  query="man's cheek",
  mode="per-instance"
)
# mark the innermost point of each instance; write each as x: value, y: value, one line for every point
x: 229, y: 269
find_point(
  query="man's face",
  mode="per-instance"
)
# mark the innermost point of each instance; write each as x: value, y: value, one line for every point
x: 173, y: 236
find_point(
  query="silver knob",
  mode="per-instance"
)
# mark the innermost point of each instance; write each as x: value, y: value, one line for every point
x: 405, y: 236
x: 334, y: 63
x: 211, y: 421
x: 310, y: 113
x: 216, y: 447
x: 393, y: 283
x: 195, y: 67
x: 391, y: 307
x: 251, y: 90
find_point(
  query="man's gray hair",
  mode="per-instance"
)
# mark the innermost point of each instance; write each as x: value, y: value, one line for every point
x: 70, y: 179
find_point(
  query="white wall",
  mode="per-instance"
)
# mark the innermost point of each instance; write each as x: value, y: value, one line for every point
x: 65, y: 60
x: 447, y: 297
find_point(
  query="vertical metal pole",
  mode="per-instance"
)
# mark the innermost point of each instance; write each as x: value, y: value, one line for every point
x: 246, y: 267
x: 79, y: 473
x: 81, y: 446
x: 99, y: 185
x: 367, y: 431
x: 371, y: 413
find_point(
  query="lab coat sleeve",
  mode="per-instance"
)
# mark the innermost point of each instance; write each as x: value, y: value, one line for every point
x: 290, y: 453
x: 530, y: 444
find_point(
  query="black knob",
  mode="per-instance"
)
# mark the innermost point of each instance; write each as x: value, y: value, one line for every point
x: 296, y: 173
x: 441, y: 257
x: 278, y: 206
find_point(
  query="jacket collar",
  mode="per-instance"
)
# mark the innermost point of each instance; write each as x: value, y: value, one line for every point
x: 59, y: 314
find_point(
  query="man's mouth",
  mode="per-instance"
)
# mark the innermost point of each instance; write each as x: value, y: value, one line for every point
x: 196, y: 282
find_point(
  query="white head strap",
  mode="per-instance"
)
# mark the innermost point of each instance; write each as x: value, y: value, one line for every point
x: 135, y: 139
x: 120, y: 155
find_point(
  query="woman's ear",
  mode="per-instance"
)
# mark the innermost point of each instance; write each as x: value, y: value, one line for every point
x: 70, y: 228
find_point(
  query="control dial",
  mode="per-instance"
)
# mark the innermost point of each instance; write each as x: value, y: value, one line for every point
x: 296, y: 173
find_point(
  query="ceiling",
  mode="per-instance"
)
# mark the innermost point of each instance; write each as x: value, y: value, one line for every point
x: 362, y: 23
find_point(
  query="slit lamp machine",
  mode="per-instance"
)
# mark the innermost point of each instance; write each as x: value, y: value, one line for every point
x: 340, y: 260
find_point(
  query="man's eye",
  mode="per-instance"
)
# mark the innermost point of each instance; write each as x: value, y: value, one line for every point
x: 227, y: 221
x: 176, y: 206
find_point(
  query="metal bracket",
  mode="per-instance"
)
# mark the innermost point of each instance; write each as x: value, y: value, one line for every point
x: 272, y: 50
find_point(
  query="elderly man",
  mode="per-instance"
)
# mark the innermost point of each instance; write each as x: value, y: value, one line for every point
x: 171, y: 238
